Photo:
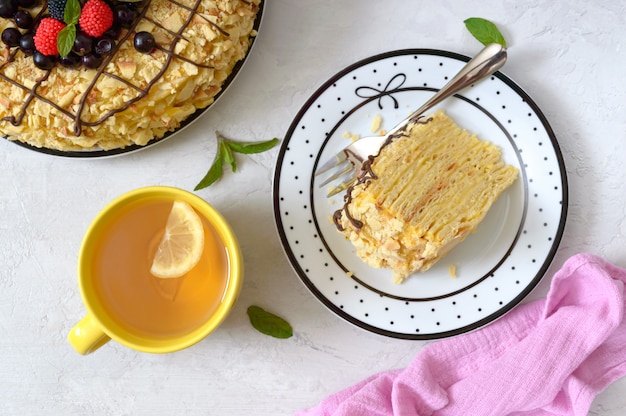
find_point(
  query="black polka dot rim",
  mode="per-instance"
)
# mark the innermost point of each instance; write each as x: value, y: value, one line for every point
x: 495, y: 267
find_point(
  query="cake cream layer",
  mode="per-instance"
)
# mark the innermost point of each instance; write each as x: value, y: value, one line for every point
x: 429, y: 189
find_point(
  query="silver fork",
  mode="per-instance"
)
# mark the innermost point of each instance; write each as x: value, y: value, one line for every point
x: 351, y: 158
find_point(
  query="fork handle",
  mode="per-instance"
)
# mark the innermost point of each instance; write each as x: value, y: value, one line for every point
x: 488, y: 61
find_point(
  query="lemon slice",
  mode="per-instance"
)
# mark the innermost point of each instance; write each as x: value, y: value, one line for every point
x: 181, y: 246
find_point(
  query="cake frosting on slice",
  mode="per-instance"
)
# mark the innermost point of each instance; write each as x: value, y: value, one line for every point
x: 425, y: 191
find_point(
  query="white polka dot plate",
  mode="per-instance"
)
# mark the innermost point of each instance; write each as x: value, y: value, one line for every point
x: 496, y: 267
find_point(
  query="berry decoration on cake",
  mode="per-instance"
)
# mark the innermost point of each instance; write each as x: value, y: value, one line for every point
x: 96, y: 18
x: 107, y: 74
x: 23, y: 19
x: 11, y: 36
x: 47, y: 34
x: 56, y: 8
x: 144, y: 42
x: 8, y: 8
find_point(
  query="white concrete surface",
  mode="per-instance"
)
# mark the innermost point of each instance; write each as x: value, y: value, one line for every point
x: 569, y: 56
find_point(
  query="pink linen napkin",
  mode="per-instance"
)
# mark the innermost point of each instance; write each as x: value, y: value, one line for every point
x: 547, y: 357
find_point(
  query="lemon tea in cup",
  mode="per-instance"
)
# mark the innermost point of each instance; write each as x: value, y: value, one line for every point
x: 159, y: 269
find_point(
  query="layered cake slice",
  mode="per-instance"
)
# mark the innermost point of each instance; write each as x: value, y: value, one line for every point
x: 425, y: 191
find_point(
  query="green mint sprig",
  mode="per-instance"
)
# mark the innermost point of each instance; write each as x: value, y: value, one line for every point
x: 225, y: 156
x: 269, y: 324
x: 484, y: 31
x: 67, y: 35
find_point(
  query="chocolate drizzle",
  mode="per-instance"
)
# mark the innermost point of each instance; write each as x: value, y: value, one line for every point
x: 365, y: 174
x: 168, y: 50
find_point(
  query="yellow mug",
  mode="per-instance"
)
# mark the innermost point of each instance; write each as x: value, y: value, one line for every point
x: 125, y: 303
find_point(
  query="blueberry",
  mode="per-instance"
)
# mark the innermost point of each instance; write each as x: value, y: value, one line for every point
x: 136, y: 5
x: 124, y: 15
x: 112, y: 33
x: 104, y: 46
x: 70, y: 61
x: 26, y: 3
x: 27, y: 43
x: 11, y: 36
x: 92, y: 61
x: 23, y: 19
x: 144, y: 42
x: 83, y: 43
x: 8, y: 8
x: 44, y: 61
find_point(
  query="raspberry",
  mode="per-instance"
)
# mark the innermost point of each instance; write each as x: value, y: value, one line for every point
x: 46, y: 36
x: 57, y: 8
x: 96, y: 18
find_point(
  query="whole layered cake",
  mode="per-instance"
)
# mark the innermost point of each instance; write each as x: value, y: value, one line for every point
x: 101, y: 75
x: 427, y: 189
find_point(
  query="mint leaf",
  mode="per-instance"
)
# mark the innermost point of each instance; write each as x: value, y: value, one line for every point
x: 65, y: 40
x: 224, y: 155
x: 249, y: 148
x: 227, y: 155
x: 214, y: 173
x: 484, y: 31
x: 269, y: 324
x: 67, y: 35
x: 71, y: 12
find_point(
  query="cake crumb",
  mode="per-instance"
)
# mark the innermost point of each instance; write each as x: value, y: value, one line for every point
x: 452, y: 270
x: 352, y: 136
x: 349, y: 274
x: 377, y: 121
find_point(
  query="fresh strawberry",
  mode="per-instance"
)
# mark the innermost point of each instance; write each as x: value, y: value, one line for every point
x: 46, y: 36
x: 96, y: 18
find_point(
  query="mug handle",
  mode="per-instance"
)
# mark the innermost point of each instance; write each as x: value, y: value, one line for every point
x: 87, y: 335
